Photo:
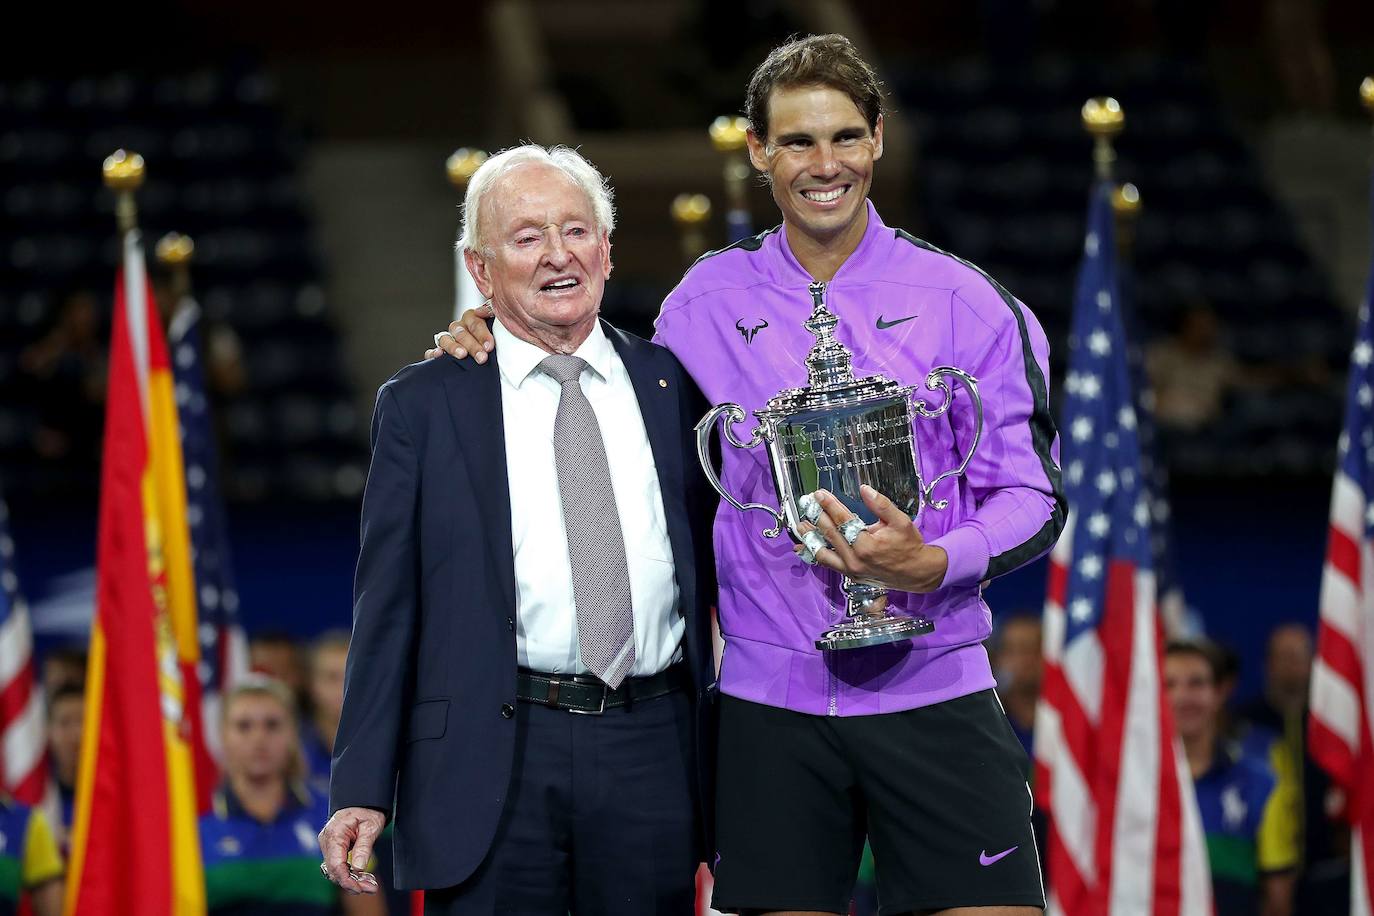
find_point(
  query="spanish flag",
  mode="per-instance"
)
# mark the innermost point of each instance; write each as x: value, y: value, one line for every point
x: 135, y: 847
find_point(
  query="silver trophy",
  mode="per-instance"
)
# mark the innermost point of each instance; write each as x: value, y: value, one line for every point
x: 838, y: 433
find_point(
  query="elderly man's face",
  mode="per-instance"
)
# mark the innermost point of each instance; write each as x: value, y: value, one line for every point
x: 544, y: 261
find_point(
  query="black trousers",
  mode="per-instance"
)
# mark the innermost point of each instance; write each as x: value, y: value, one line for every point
x: 600, y: 819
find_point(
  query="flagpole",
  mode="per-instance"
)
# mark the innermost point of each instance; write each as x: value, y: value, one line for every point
x: 123, y: 173
x: 690, y: 214
x: 460, y: 167
x: 729, y: 135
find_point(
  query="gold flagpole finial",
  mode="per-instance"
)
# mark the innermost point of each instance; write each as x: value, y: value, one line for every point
x: 691, y: 209
x: 691, y: 212
x: 1126, y: 208
x: 123, y: 173
x: 174, y: 251
x: 728, y: 133
x: 1126, y: 201
x: 463, y: 164
x: 1367, y: 93
x: 1103, y: 119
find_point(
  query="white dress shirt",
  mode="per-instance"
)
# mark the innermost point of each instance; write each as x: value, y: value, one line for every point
x: 546, y: 617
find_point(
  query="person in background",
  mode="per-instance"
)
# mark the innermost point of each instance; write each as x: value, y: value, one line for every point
x: 1016, y: 663
x: 63, y: 667
x: 31, y: 866
x: 258, y: 841
x: 278, y: 655
x: 1252, y: 837
x: 325, y: 663
x: 64, y: 373
x: 66, y: 713
x: 1274, y: 725
x: 326, y: 660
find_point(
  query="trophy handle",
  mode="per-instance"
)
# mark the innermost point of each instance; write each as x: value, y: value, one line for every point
x: 936, y: 382
x: 704, y: 430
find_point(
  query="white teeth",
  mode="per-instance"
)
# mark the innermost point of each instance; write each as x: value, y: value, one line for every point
x: 824, y: 196
x: 562, y: 284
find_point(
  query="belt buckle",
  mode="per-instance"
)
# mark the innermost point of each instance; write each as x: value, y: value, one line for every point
x: 605, y: 691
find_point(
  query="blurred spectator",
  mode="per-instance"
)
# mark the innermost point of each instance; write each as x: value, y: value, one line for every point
x: 1016, y: 663
x: 30, y: 864
x: 65, y: 372
x: 258, y: 842
x: 328, y: 657
x: 222, y: 354
x: 1287, y: 670
x: 1275, y: 724
x: 65, y: 667
x: 1302, y: 54
x: 66, y: 713
x: 1252, y: 836
x: 1190, y: 372
x: 277, y: 655
x: 327, y: 660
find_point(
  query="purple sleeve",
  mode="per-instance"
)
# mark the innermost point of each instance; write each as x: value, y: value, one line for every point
x: 1014, y: 476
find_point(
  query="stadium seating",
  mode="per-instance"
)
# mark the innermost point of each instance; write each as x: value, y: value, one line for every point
x: 222, y: 167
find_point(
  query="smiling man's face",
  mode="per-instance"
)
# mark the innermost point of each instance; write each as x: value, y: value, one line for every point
x: 819, y: 156
x: 545, y: 261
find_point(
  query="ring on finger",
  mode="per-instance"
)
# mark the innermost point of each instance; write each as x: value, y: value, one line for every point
x: 814, y: 541
x: 852, y: 528
x: 442, y: 334
x: 324, y: 870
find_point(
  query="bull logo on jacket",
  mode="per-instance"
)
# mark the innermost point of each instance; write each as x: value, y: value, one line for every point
x: 749, y: 331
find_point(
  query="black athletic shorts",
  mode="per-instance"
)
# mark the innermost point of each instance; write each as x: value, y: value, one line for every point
x: 940, y: 792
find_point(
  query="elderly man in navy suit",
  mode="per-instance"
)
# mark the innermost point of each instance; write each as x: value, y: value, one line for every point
x: 530, y: 684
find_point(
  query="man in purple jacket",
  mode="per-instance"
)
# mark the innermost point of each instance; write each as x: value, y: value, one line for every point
x: 904, y: 743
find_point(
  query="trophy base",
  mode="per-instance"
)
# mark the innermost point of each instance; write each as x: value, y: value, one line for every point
x: 859, y: 631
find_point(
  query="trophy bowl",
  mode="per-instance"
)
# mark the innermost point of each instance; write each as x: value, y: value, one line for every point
x: 839, y: 433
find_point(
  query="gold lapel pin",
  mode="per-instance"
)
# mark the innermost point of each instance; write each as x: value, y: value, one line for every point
x: 663, y: 383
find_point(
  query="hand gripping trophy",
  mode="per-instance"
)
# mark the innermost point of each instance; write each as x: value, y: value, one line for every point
x: 839, y: 432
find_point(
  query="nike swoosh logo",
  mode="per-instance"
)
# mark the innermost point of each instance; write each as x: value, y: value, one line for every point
x: 884, y: 325
x: 985, y: 860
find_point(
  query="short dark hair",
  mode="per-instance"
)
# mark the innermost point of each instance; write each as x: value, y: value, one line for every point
x: 816, y: 60
x: 1199, y: 648
x: 67, y: 691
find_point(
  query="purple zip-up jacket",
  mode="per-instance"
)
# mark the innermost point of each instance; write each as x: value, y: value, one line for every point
x: 735, y: 322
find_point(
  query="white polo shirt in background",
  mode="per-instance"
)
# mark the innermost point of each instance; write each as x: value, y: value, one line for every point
x: 546, y: 621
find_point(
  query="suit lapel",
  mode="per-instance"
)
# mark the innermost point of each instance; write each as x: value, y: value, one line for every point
x: 474, y: 405
x: 660, y: 408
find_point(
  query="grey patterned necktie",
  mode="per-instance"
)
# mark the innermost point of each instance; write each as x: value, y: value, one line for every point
x: 596, y: 547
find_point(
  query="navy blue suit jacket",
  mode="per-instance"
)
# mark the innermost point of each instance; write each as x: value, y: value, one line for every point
x: 426, y: 732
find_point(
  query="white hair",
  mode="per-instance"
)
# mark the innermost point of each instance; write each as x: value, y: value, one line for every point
x: 569, y: 161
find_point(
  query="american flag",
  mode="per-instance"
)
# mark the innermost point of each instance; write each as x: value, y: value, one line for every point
x: 23, y: 747
x: 1154, y: 472
x: 223, y: 647
x: 1125, y: 836
x: 1339, y: 726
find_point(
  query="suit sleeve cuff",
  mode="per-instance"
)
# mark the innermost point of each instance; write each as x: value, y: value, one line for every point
x: 967, y: 551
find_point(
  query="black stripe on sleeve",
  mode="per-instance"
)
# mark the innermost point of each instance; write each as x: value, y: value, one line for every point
x: 1041, y: 427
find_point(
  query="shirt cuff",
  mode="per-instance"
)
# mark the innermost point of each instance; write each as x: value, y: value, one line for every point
x: 967, y: 550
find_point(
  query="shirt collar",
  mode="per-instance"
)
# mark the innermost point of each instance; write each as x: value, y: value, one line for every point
x: 869, y: 246
x: 226, y: 803
x: 519, y: 357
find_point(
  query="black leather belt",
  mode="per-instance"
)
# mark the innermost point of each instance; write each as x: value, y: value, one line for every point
x: 586, y: 693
